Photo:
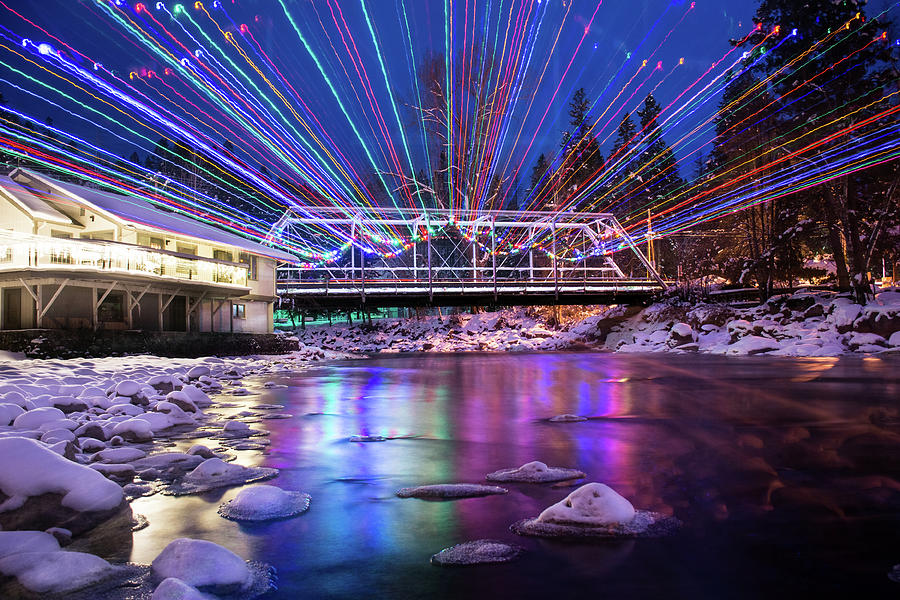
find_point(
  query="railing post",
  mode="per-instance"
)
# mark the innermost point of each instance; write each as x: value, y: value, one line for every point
x: 494, y: 255
x: 362, y: 270
x: 430, y: 283
x: 555, y: 270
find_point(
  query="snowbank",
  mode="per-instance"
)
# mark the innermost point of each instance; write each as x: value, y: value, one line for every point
x: 450, y: 491
x: 535, y: 472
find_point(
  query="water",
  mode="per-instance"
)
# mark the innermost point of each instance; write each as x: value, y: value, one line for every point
x: 782, y: 470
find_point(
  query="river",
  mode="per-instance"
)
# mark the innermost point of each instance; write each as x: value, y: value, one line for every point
x: 781, y: 470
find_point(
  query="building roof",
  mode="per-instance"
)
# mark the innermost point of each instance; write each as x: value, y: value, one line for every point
x: 133, y: 210
x: 35, y: 206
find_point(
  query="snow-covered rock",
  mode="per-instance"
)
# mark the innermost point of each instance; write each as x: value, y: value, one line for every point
x: 58, y: 572
x: 203, y: 565
x: 535, y: 472
x: 16, y: 542
x: 477, y: 552
x: 33, y: 419
x: 31, y: 470
x: 592, y: 504
x: 567, y: 418
x: 264, y: 502
x: 214, y: 473
x: 175, y: 589
x: 450, y: 491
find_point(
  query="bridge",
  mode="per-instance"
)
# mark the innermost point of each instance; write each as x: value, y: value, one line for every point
x: 460, y: 259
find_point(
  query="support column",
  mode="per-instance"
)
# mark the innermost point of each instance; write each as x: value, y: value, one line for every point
x: 129, y: 309
x: 231, y: 316
x: 159, y: 304
x: 362, y: 269
x: 38, y: 316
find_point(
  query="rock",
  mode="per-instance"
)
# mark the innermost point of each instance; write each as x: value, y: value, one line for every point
x: 201, y: 451
x: 197, y: 372
x: 175, y: 589
x: 263, y: 503
x: 128, y: 388
x: 91, y: 430
x: 8, y: 413
x: 16, y: 542
x: 58, y: 572
x: 450, y: 491
x: 215, y: 473
x: 680, y: 333
x: 535, y: 472
x: 134, y: 430
x: 206, y: 566
x: 816, y: 310
x: 118, y: 455
x: 33, y: 419
x: 478, y: 552
x: 41, y: 489
x: 592, y: 504
x: 567, y: 418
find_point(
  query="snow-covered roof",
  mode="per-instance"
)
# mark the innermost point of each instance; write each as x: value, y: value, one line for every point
x: 139, y: 212
x: 32, y: 204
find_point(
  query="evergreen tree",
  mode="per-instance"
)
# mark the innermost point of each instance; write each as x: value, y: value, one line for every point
x: 582, y: 159
x: 622, y: 164
x: 834, y: 87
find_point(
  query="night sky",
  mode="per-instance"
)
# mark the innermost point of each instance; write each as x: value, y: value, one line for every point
x: 700, y: 36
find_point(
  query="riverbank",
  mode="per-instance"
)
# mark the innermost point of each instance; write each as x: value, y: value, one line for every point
x: 801, y: 324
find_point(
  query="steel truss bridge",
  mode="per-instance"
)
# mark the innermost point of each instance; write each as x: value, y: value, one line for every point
x: 458, y: 263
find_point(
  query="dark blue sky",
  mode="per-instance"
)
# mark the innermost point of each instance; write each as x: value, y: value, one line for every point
x: 618, y: 27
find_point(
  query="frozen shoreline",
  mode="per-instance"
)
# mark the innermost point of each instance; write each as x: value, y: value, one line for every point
x: 801, y: 324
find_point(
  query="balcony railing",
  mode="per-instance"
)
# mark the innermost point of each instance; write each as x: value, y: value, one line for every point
x: 21, y: 251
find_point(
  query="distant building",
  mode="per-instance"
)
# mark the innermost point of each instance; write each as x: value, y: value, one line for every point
x: 77, y: 257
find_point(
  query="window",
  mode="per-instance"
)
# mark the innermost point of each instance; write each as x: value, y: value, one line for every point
x: 222, y: 255
x: 157, y: 243
x: 239, y: 311
x: 250, y: 260
x: 63, y: 235
x: 186, y: 249
x: 112, y: 308
x: 98, y: 235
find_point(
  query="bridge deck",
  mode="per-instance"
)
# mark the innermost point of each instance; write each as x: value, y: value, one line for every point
x: 342, y: 294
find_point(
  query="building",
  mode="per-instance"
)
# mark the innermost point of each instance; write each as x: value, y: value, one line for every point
x: 77, y: 257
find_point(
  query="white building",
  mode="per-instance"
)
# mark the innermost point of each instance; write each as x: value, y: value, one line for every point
x: 77, y: 257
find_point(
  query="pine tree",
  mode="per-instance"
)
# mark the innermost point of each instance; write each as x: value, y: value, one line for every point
x: 622, y: 164
x: 823, y: 94
x: 582, y: 159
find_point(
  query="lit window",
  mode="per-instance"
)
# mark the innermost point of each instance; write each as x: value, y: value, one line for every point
x: 239, y: 311
x: 250, y: 260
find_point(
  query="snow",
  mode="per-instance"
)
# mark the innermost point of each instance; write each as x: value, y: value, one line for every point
x: 535, y: 472
x: 56, y: 572
x: 15, y: 542
x: 592, y: 504
x: 128, y: 388
x: 119, y: 455
x: 264, y: 502
x: 202, y: 564
x: 31, y: 469
x: 477, y: 552
x: 214, y: 473
x: 33, y: 419
x: 175, y: 589
x: 567, y: 418
x: 450, y: 491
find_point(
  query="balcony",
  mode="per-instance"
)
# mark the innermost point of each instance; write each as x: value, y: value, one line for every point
x: 22, y: 251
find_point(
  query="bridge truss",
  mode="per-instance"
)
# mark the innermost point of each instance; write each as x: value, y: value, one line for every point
x: 459, y: 259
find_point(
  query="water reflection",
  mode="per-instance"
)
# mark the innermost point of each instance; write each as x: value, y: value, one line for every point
x: 764, y: 460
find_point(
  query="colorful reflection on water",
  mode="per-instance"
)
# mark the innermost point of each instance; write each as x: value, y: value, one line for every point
x: 782, y: 470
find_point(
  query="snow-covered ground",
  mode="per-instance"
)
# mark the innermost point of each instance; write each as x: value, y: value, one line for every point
x: 802, y: 324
